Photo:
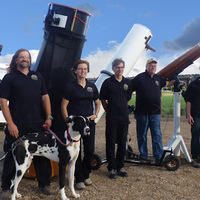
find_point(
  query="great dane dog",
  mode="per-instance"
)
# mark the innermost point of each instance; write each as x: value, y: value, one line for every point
x: 46, y: 144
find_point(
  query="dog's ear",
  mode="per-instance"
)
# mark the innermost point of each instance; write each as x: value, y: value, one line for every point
x: 69, y: 119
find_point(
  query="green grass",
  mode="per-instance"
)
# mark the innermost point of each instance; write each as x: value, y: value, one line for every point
x: 167, y: 104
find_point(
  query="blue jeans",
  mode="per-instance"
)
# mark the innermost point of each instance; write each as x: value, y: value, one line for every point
x: 143, y: 122
x: 195, y: 143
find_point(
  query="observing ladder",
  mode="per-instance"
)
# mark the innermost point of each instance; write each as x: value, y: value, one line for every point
x: 176, y: 142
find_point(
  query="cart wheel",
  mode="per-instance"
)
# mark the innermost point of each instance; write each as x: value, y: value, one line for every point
x: 172, y: 162
x: 96, y: 162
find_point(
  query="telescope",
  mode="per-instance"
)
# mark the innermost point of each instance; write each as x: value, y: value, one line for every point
x: 64, y: 37
x: 170, y: 72
x: 132, y: 47
x: 182, y: 62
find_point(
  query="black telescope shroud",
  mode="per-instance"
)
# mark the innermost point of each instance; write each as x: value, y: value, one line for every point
x: 61, y: 48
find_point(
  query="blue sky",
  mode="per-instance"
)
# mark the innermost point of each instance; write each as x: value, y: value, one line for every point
x: 175, y: 25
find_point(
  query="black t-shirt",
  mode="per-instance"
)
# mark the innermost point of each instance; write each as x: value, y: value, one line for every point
x: 148, y: 93
x: 117, y: 94
x: 81, y: 99
x: 192, y: 95
x: 24, y: 94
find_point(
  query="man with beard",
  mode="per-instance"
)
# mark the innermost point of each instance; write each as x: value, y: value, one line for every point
x: 26, y: 93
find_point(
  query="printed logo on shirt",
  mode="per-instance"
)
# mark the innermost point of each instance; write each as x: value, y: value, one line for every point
x: 89, y: 89
x: 34, y: 77
x: 157, y: 83
x: 125, y: 87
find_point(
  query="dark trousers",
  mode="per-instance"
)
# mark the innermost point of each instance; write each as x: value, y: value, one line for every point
x: 42, y: 164
x: 84, y: 163
x: 116, y: 133
x: 195, y: 140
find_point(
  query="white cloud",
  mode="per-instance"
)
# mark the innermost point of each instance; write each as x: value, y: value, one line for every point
x: 193, y: 69
x: 165, y: 60
x: 188, y: 38
x: 88, y: 8
x: 34, y: 54
x: 100, y: 59
x: 6, y: 59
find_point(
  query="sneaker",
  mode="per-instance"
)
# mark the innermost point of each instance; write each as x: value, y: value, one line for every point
x: 144, y: 160
x: 5, y: 194
x: 88, y: 182
x: 80, y: 186
x: 195, y: 163
x: 157, y: 162
x: 122, y: 173
x: 46, y: 190
x: 112, y: 174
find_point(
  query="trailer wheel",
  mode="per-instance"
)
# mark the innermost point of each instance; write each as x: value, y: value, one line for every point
x: 171, y: 162
x: 96, y: 162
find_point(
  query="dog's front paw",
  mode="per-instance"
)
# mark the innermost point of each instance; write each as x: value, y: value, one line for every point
x: 75, y: 195
x: 18, y: 195
x: 64, y: 197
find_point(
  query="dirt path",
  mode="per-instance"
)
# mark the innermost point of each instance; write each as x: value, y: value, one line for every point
x: 143, y: 183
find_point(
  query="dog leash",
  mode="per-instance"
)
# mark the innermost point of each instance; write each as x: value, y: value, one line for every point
x: 2, y: 158
x: 57, y: 138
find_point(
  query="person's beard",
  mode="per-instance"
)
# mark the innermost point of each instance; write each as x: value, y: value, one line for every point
x: 24, y: 65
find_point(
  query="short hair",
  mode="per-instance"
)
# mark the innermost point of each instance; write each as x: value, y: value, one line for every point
x: 117, y: 61
x: 13, y: 64
x: 80, y: 62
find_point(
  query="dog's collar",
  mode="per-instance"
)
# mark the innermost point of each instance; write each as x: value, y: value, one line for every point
x: 69, y: 137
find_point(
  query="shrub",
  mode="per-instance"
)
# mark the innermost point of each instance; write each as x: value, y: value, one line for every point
x: 167, y: 104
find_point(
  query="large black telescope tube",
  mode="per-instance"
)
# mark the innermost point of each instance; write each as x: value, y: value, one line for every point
x: 64, y: 37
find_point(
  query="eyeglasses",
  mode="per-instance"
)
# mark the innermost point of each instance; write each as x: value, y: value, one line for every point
x: 82, y: 69
x: 24, y: 57
x: 118, y: 68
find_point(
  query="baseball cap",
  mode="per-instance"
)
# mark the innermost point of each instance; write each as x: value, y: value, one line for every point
x: 151, y: 60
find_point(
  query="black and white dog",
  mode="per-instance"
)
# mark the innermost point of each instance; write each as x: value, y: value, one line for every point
x: 45, y: 144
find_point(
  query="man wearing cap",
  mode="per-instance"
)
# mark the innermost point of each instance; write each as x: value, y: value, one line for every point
x: 148, y: 108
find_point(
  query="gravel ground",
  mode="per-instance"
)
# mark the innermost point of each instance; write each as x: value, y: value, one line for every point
x: 143, y: 183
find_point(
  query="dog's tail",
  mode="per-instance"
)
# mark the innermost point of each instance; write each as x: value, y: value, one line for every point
x: 3, y: 157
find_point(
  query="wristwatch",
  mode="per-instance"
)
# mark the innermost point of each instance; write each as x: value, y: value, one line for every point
x: 50, y: 117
